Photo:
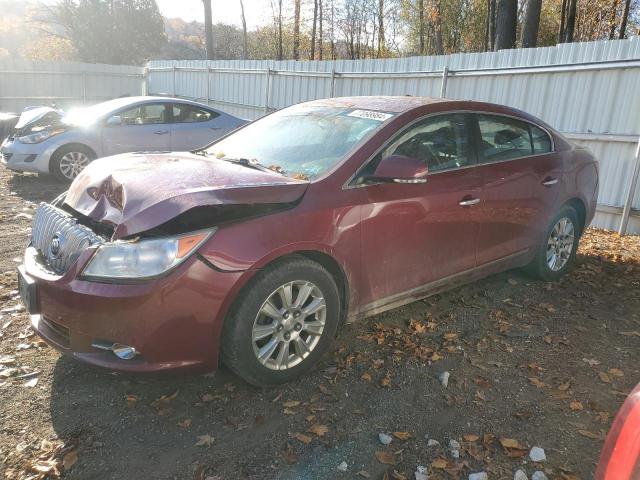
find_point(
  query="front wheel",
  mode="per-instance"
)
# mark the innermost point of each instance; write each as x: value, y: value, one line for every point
x: 282, y: 323
x: 68, y: 162
x: 557, y: 253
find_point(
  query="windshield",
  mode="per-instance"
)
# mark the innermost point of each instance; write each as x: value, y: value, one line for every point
x: 300, y: 141
x: 88, y: 115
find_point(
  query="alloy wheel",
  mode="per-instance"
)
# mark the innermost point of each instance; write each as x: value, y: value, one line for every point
x: 560, y: 244
x: 289, y: 325
x: 72, y: 163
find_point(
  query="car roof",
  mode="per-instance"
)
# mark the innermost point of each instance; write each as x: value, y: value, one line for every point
x: 393, y: 104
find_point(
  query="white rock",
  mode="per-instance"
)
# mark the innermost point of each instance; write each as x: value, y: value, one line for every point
x: 343, y: 467
x: 421, y: 473
x: 479, y: 476
x: 539, y: 476
x: 433, y: 443
x: 444, y: 378
x: 384, y: 438
x: 454, y: 445
x: 520, y: 475
x: 537, y: 455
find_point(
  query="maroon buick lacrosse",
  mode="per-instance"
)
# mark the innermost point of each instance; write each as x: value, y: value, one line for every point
x: 255, y: 250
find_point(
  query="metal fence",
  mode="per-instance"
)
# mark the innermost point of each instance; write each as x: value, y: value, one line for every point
x: 588, y: 91
x: 25, y: 83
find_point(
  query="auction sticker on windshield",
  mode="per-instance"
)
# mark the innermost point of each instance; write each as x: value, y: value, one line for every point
x: 371, y: 115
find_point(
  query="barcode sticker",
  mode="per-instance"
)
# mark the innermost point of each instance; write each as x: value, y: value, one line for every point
x: 371, y: 115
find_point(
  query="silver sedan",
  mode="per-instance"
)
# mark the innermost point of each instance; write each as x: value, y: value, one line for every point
x: 46, y: 141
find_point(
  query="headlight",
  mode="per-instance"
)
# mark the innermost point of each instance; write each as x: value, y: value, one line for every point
x: 143, y: 258
x: 40, y: 136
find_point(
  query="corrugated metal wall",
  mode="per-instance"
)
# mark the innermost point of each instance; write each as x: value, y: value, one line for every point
x: 25, y: 83
x: 597, y: 105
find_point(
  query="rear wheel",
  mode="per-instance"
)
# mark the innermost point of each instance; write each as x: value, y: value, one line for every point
x: 69, y: 161
x: 557, y: 253
x: 282, y: 324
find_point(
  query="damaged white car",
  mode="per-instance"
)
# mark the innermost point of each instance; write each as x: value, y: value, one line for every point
x: 45, y: 140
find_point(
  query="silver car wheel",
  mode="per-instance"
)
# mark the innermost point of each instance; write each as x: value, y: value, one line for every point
x: 289, y: 325
x: 72, y: 163
x: 560, y: 244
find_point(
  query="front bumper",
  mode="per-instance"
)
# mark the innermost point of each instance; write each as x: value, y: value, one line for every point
x: 22, y: 157
x: 173, y: 322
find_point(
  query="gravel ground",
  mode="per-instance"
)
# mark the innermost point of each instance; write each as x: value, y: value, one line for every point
x: 529, y: 363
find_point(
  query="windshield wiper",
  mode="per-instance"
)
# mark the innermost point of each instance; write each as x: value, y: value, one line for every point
x: 252, y: 164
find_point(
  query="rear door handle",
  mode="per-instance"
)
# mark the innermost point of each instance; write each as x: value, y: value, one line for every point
x: 469, y: 202
x: 161, y: 132
x: 548, y: 182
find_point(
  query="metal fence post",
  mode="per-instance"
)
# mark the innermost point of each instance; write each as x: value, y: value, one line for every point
x: 267, y: 90
x: 84, y: 87
x: 173, y: 90
x: 626, y: 211
x: 145, y: 80
x: 445, y: 77
x: 208, y: 84
x: 332, y: 88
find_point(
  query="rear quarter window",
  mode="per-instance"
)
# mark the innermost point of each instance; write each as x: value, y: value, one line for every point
x: 540, y: 140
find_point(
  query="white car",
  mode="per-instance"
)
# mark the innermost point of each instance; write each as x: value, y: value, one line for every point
x: 46, y: 141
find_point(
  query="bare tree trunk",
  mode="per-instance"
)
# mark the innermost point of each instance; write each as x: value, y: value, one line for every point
x: 421, y: 27
x: 612, y: 20
x: 487, y: 22
x: 571, y: 21
x: 492, y: 24
x: 208, y: 29
x: 280, y: 51
x: 532, y: 24
x: 563, y: 19
x: 244, y: 31
x: 437, y: 26
x: 296, y: 30
x: 381, y: 39
x: 312, y: 55
x: 333, y: 42
x: 506, y: 24
x: 320, y: 36
x: 625, y: 16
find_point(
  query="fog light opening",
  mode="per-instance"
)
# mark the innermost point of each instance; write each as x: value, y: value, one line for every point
x: 124, y: 352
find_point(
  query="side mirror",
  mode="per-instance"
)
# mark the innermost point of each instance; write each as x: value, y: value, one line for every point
x: 114, y: 121
x: 401, y: 169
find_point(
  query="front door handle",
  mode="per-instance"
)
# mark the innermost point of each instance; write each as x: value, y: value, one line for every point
x: 161, y: 132
x: 469, y: 202
x: 549, y: 181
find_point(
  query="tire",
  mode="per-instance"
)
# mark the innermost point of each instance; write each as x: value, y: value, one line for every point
x: 542, y: 266
x: 68, y: 161
x: 288, y: 359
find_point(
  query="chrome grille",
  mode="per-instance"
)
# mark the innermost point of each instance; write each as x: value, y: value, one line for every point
x: 59, y: 238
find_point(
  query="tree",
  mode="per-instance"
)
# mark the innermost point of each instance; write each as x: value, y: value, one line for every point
x: 312, y: 55
x: 244, y: 31
x: 381, y: 39
x: 109, y: 31
x: 506, y: 24
x: 570, y: 25
x: 321, y: 33
x: 296, y: 30
x: 625, y: 16
x: 208, y: 28
x: 421, y: 49
x: 531, y: 24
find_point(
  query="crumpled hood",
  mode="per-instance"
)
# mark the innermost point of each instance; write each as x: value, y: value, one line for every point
x: 135, y: 192
x: 32, y: 115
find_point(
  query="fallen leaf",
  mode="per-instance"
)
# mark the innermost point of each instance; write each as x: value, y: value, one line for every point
x: 205, y: 441
x: 386, y: 381
x: 616, y: 372
x: 510, y: 443
x: 592, y: 362
x: 402, y: 435
x: 471, y: 438
x: 588, y: 434
x: 324, y: 389
x: 318, y: 429
x: 291, y: 403
x: 439, y: 463
x: 576, y: 405
x: 131, y: 400
x: 70, y: 458
x: 604, y: 377
x: 564, y: 386
x: 366, y: 377
x: 186, y: 423
x: 635, y: 333
x: 306, y: 439
x: 364, y: 474
x: 31, y: 383
x: 388, y: 458
x: 537, y: 382
x: 450, y: 336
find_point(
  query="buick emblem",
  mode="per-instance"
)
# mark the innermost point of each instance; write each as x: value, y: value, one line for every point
x: 56, y: 245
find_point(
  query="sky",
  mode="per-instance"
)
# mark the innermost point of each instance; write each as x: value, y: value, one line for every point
x: 257, y: 12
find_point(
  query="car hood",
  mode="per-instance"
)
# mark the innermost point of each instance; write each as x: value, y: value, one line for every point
x: 136, y: 192
x: 32, y: 115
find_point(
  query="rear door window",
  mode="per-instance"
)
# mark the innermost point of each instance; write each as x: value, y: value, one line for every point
x: 503, y: 138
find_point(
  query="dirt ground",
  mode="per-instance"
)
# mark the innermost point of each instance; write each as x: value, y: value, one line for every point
x: 530, y: 364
